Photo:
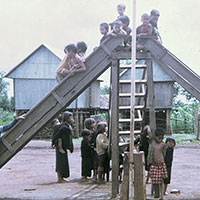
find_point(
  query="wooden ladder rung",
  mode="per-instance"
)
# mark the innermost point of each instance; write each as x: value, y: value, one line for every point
x: 129, y: 66
x: 129, y: 107
x: 128, y: 132
x: 140, y: 94
x: 136, y: 81
x: 128, y: 120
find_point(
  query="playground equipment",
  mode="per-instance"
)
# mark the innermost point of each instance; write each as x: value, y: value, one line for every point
x: 106, y: 55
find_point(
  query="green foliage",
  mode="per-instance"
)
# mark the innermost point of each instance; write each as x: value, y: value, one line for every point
x: 183, y: 113
x: 6, y: 117
x: 105, y: 90
x: 6, y: 105
x: 186, y: 139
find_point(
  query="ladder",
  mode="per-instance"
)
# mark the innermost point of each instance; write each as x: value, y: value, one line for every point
x: 125, y: 99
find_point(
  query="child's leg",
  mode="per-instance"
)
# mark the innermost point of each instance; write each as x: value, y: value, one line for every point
x: 60, y: 178
x: 161, y: 188
x: 100, y: 174
x: 157, y: 191
x: 165, y: 188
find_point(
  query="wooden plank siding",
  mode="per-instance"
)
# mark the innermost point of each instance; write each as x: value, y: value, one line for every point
x: 67, y: 90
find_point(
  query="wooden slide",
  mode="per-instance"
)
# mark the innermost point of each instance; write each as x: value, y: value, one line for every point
x: 176, y: 69
x: 58, y: 99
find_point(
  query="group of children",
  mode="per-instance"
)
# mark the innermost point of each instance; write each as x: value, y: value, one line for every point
x: 73, y: 61
x: 158, y: 159
x: 94, y: 150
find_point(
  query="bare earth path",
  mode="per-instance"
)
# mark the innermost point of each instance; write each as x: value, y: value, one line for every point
x: 30, y: 175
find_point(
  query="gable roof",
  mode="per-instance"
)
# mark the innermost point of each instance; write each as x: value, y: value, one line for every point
x: 57, y: 52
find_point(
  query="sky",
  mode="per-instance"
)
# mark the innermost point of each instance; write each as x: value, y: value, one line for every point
x: 26, y: 24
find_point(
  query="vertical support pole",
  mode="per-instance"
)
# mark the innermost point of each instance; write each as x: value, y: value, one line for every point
x: 196, y: 122
x: 124, y: 193
x: 139, y: 176
x: 76, y: 134
x: 168, y: 122
x: 114, y: 119
x: 132, y: 111
x: 151, y: 95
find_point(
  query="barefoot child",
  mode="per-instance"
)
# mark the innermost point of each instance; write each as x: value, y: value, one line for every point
x: 71, y: 63
x: 158, y: 170
x: 63, y: 142
x: 86, y: 154
x: 171, y: 143
x: 102, y: 149
x: 90, y: 124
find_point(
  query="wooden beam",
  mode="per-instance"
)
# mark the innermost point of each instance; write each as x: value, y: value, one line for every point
x: 168, y: 122
x: 178, y: 71
x: 151, y: 95
x: 124, y: 192
x: 114, y: 126
x: 139, y: 177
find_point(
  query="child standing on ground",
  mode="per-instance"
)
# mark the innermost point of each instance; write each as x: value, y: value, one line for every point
x: 158, y: 170
x: 71, y: 63
x: 143, y: 30
x: 171, y: 143
x: 90, y: 124
x: 104, y: 28
x: 102, y: 149
x: 62, y: 139
x: 86, y: 154
x: 144, y: 146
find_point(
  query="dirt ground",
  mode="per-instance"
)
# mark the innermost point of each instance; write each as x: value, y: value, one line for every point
x: 30, y: 175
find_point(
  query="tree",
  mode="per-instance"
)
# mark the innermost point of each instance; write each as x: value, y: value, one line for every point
x: 4, y: 100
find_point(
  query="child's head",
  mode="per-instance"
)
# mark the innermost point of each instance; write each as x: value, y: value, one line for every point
x: 154, y: 15
x: 68, y: 118
x: 90, y: 123
x: 104, y: 28
x: 71, y: 50
x: 145, y: 18
x: 121, y: 9
x: 102, y: 127
x: 170, y: 141
x: 86, y: 134
x: 55, y: 122
x: 125, y: 21
x: 159, y: 133
x: 81, y: 47
x: 117, y: 25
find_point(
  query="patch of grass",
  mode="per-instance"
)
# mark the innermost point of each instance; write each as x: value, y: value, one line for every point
x: 186, y: 139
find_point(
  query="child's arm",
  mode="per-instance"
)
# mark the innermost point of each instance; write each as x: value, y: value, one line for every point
x: 103, y: 143
x: 80, y: 67
x: 60, y: 146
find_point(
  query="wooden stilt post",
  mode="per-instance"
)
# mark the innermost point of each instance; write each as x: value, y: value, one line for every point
x: 151, y: 95
x: 139, y: 177
x: 196, y: 122
x: 168, y: 122
x: 114, y: 126
x: 124, y: 193
x: 132, y: 111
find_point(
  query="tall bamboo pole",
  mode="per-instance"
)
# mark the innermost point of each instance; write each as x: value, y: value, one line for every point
x: 132, y: 112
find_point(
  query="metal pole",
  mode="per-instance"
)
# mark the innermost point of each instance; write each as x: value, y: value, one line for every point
x: 132, y: 111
